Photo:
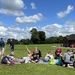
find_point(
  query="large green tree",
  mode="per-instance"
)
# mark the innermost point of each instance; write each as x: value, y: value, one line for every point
x: 24, y: 41
x: 41, y: 36
x: 34, y: 36
x: 37, y: 37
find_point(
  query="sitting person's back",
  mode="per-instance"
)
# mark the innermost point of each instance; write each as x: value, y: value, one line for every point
x: 67, y: 57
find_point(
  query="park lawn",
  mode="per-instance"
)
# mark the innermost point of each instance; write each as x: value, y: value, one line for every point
x: 35, y: 69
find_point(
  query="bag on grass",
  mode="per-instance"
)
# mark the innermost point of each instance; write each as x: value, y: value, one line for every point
x: 51, y: 62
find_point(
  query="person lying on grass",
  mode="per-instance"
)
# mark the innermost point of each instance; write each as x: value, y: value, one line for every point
x: 9, y: 60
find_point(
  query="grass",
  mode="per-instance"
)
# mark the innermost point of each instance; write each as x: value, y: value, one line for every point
x: 35, y: 69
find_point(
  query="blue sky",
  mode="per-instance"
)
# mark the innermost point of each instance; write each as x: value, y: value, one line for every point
x: 54, y: 17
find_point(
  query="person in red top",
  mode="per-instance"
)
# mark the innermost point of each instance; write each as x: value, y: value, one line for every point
x: 58, y: 52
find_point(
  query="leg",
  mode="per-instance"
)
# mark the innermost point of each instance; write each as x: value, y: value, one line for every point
x: 3, y: 51
x: 0, y: 54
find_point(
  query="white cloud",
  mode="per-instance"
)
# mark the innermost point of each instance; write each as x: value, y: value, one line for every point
x: 12, y: 7
x: 50, y: 30
x: 57, y: 29
x: 71, y: 25
x: 66, y: 12
x: 3, y: 31
x: 30, y: 19
x: 14, y: 32
x: 33, y: 5
x: 18, y: 33
x: 11, y: 12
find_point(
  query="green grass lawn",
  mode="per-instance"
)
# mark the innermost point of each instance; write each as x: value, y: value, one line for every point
x: 35, y: 69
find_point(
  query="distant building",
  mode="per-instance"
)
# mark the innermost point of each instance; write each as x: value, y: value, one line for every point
x: 69, y: 40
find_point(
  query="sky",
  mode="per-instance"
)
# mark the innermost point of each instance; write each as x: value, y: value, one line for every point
x: 54, y: 17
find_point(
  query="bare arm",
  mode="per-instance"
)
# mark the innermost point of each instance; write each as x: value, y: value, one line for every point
x: 27, y: 49
x: 36, y: 48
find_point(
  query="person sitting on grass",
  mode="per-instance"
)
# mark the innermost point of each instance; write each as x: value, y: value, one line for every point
x: 36, y: 55
x: 34, y: 58
x: 31, y: 57
x: 48, y: 56
x: 58, y: 53
x: 67, y: 58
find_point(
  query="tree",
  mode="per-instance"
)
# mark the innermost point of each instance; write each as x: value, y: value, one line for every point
x: 34, y: 36
x: 15, y: 41
x: 60, y: 39
x: 41, y: 36
x: 24, y: 41
x: 37, y: 37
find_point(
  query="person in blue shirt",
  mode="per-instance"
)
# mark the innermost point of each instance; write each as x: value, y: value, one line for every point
x: 2, y: 45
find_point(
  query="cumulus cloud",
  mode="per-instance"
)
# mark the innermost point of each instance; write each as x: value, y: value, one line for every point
x: 33, y: 5
x: 50, y: 30
x: 66, y: 12
x: 12, y: 7
x: 30, y: 19
x: 16, y: 33
x: 57, y: 29
x: 71, y: 25
x: 3, y: 31
x: 11, y: 12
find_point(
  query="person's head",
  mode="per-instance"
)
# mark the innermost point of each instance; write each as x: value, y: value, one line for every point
x: 49, y: 52
x: 68, y: 50
x: 1, y: 38
x: 34, y: 51
x: 11, y: 54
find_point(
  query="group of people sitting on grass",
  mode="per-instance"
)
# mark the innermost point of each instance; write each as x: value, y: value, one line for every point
x: 67, y: 60
x: 31, y: 57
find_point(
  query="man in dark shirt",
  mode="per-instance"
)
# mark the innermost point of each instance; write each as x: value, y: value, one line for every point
x: 2, y: 44
x: 12, y: 46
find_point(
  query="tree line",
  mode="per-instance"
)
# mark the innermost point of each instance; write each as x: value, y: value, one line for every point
x: 38, y: 37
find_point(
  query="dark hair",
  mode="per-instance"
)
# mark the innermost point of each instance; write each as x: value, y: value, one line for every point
x: 11, y: 54
x: 1, y: 38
